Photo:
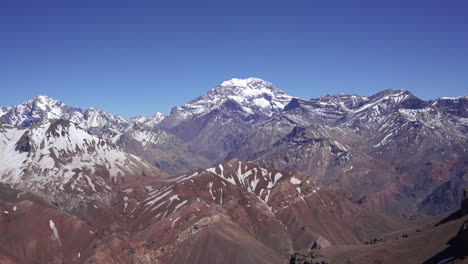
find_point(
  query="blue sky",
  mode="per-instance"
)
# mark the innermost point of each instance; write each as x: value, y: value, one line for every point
x: 140, y: 57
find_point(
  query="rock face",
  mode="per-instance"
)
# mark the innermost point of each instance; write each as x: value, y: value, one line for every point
x: 462, y: 236
x: 320, y: 243
x: 306, y: 257
x: 464, y: 206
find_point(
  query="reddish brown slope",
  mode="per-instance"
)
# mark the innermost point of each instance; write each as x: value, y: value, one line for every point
x: 281, y: 211
x: 431, y: 240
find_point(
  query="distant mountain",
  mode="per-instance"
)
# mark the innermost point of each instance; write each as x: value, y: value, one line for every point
x: 151, y: 121
x: 248, y: 97
x: 385, y: 151
x: 371, y: 147
x: 39, y: 109
x: 43, y: 108
x: 157, y: 146
x: 214, y: 122
x: 146, y: 141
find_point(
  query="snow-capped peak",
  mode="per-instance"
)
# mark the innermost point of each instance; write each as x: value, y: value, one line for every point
x: 38, y: 109
x: 245, y: 82
x: 150, y: 120
x: 44, y: 97
x: 44, y: 100
x: 251, y: 93
x: 250, y: 96
x: 46, y: 103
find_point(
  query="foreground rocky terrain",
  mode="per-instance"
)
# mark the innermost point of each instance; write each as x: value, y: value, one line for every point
x: 432, y: 240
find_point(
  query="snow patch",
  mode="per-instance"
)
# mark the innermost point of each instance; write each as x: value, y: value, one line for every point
x: 210, y: 189
x: 180, y: 205
x: 54, y: 230
x: 295, y: 180
x: 175, y: 220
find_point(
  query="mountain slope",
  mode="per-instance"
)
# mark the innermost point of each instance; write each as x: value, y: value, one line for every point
x: 156, y: 146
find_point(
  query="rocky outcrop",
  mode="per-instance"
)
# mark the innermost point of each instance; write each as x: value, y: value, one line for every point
x: 464, y: 207
x: 320, y: 243
x: 306, y: 257
x: 462, y: 236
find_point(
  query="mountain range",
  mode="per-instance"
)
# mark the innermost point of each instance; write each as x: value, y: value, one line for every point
x: 228, y: 175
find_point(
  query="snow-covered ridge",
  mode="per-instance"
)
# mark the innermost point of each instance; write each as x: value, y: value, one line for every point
x: 42, y: 108
x: 151, y: 121
x: 38, y: 109
x: 103, y: 124
x: 57, y: 155
x: 454, y: 98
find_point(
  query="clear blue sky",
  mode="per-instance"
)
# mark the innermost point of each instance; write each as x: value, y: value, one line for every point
x: 139, y: 57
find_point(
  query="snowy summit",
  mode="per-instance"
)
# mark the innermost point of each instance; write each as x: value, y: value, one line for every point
x: 250, y: 96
